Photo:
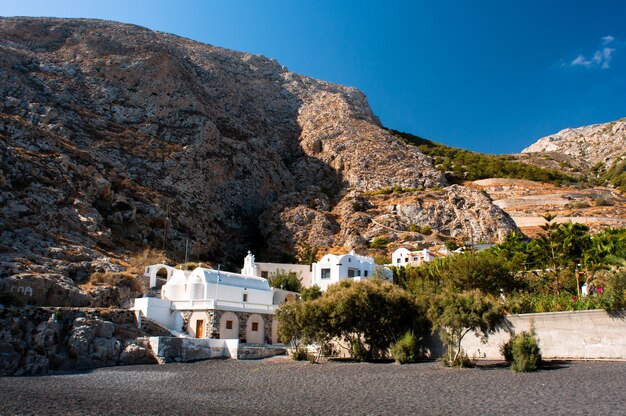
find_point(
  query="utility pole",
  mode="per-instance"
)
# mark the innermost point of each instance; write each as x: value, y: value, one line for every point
x: 167, y: 223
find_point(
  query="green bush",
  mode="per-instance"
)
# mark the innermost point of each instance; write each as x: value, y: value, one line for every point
x: 310, y: 293
x: 407, y: 349
x: 452, y: 359
x: 525, y: 352
x: 379, y: 242
x: 426, y: 230
x: 614, y: 295
x: 414, y: 228
x: 299, y: 354
x: 506, y: 350
x: 282, y: 279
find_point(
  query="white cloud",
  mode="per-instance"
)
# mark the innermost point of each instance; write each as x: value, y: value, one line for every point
x: 607, y: 39
x: 600, y: 58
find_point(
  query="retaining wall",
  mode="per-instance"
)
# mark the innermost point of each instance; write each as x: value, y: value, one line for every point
x: 193, y: 349
x: 576, y: 335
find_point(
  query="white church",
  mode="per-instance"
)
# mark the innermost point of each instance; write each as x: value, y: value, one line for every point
x: 208, y: 303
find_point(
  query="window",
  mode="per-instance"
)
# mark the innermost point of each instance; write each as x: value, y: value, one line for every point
x: 399, y: 260
x: 353, y: 272
x: 245, y: 297
x: 325, y: 273
x: 229, y: 324
x: 406, y: 260
x: 265, y: 274
x: 255, y: 326
x: 365, y: 273
x: 349, y: 260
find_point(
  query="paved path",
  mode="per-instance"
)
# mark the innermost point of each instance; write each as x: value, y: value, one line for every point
x: 284, y: 387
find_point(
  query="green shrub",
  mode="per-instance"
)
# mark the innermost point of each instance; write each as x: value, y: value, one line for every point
x: 379, y: 242
x: 426, y: 230
x: 452, y: 359
x: 506, y: 350
x: 614, y: 294
x: 414, y: 228
x: 282, y: 279
x: 310, y: 293
x: 525, y: 352
x: 299, y: 354
x: 407, y: 349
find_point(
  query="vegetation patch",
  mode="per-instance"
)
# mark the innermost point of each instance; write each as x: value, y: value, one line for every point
x: 464, y: 165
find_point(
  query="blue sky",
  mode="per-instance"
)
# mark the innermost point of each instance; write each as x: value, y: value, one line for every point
x: 491, y: 76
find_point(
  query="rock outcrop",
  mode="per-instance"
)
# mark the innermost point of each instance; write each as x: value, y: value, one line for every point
x: 39, y: 340
x: 588, y: 144
x: 114, y: 137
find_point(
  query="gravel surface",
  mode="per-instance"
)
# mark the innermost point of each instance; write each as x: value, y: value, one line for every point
x: 280, y: 386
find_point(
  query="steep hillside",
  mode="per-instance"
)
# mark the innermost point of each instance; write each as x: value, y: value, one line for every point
x: 604, y: 143
x: 460, y: 165
x: 115, y: 138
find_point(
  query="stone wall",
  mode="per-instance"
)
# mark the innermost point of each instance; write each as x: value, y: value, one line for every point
x: 213, y: 324
x: 577, y: 335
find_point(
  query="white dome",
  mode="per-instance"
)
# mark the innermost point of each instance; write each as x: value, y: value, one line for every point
x: 195, y: 287
x: 174, y: 289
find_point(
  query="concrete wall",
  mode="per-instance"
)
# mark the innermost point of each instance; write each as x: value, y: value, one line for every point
x: 302, y: 270
x: 156, y: 309
x: 192, y: 349
x: 170, y: 349
x: 593, y: 334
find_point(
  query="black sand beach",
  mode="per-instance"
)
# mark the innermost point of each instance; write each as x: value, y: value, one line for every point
x: 280, y: 386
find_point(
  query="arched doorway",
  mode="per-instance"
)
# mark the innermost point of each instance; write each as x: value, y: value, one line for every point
x: 157, y: 270
x: 255, y: 330
x: 229, y: 326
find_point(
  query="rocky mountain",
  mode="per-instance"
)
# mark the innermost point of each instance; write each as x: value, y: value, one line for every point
x: 114, y: 138
x: 586, y: 145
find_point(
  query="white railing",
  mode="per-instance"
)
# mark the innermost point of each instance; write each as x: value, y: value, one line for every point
x: 193, y: 304
x: 221, y: 304
x: 244, y: 305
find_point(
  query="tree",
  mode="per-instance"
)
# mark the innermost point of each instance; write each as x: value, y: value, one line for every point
x: 483, y: 271
x: 369, y: 316
x: 310, y: 293
x: 307, y: 254
x: 456, y: 314
x: 285, y: 280
x: 514, y: 249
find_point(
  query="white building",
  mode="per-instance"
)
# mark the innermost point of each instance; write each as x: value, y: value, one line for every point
x: 333, y: 268
x: 404, y: 257
x: 208, y: 303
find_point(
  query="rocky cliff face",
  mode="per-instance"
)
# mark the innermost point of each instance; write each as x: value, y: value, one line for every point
x: 587, y: 145
x: 115, y: 137
x: 35, y: 341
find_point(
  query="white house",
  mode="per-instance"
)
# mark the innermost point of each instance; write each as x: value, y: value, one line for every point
x: 404, y: 257
x: 334, y: 268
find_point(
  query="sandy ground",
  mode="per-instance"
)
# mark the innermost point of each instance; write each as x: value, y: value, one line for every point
x: 282, y: 387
